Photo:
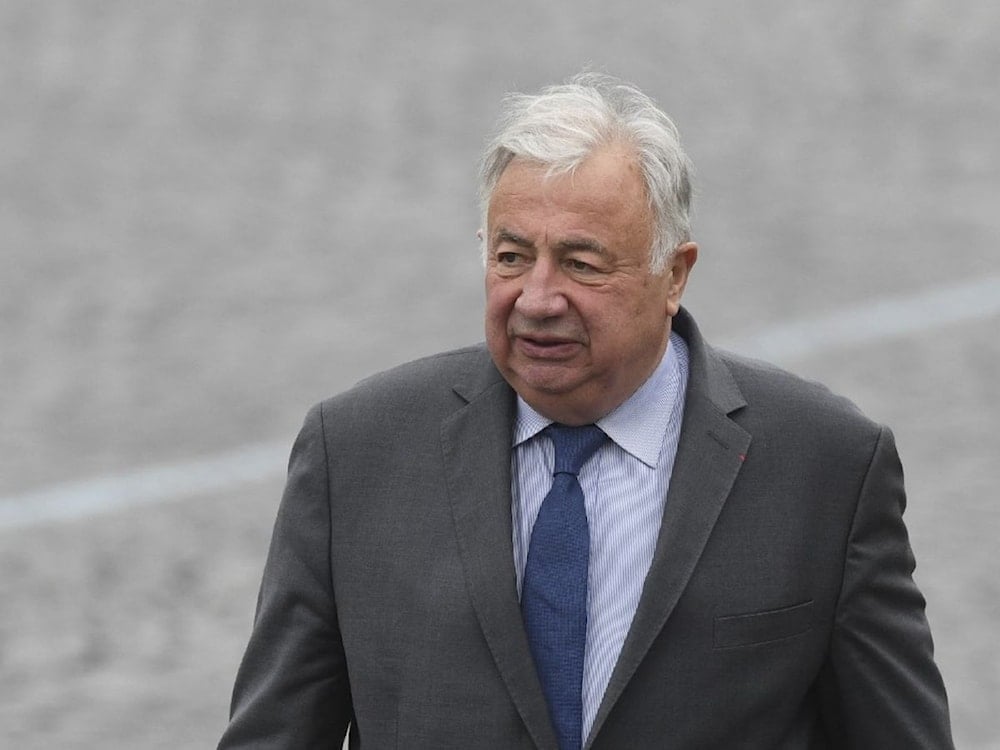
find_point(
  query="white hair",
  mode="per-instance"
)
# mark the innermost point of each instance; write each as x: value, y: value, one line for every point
x: 564, y: 124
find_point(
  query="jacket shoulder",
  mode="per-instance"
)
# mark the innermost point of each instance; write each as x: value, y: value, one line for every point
x: 430, y: 385
x: 777, y: 394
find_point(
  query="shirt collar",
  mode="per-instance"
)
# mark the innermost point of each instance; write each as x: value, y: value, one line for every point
x: 637, y: 425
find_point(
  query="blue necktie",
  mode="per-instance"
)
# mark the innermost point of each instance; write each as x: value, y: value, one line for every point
x: 554, y: 592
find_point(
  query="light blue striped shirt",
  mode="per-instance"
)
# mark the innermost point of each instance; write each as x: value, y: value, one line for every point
x: 625, y: 490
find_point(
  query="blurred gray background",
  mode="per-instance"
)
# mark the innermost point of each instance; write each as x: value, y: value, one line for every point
x: 214, y: 214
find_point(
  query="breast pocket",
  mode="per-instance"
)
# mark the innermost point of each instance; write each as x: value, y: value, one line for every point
x: 753, y: 628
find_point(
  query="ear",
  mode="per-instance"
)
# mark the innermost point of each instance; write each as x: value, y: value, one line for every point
x: 678, y: 270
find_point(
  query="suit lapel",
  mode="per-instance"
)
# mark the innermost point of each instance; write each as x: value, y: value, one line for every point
x: 476, y: 443
x: 709, y: 456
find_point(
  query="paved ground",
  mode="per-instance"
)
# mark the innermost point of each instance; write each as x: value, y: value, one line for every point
x: 214, y: 214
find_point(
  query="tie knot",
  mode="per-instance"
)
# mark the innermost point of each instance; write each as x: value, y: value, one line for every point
x: 574, y: 445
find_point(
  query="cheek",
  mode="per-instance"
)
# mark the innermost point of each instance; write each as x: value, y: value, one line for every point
x: 606, y: 314
x: 650, y: 302
x: 499, y: 303
x: 623, y: 322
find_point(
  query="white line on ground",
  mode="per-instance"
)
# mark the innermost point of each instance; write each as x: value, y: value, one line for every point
x: 851, y: 326
x: 152, y: 484
x: 887, y: 318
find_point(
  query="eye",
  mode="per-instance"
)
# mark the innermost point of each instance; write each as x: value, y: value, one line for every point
x: 579, y: 266
x: 508, y: 258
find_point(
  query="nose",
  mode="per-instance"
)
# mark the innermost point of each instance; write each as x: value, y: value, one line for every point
x: 541, y: 294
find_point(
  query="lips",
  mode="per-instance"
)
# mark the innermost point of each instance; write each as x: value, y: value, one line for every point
x: 546, y: 347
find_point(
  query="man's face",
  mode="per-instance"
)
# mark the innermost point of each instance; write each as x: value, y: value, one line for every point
x: 575, y: 321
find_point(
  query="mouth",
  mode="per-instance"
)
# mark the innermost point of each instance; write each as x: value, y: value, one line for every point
x: 546, y: 347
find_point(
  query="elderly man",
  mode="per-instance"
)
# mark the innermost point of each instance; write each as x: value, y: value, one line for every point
x: 595, y: 531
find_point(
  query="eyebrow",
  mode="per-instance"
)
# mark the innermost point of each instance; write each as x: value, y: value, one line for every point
x: 567, y: 245
x: 505, y: 235
x: 582, y: 244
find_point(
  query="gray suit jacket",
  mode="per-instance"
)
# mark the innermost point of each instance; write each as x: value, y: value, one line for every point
x: 779, y: 611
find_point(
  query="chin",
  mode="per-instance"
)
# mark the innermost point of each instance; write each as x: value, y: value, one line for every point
x: 547, y: 379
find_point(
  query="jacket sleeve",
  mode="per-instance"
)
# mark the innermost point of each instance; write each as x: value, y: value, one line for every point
x: 883, y: 688
x: 292, y: 689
